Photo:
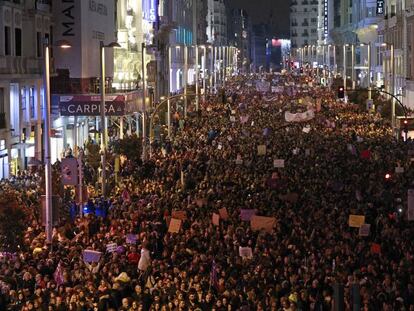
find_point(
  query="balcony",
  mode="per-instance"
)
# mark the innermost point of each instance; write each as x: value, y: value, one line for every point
x: 305, y: 2
x: 305, y: 24
x: 294, y: 35
x: 3, y: 124
x: 20, y: 65
x: 305, y: 34
x: 314, y: 2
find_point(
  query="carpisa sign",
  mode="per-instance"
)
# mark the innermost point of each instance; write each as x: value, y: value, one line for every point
x: 91, y: 105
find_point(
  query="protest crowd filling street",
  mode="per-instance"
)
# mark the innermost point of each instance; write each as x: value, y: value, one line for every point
x: 262, y: 201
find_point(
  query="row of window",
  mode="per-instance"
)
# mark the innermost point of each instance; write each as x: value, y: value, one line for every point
x: 18, y: 49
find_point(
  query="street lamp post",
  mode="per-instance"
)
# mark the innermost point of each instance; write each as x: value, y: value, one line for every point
x: 47, y: 134
x: 369, y: 72
x: 353, y: 66
x: 185, y: 75
x: 104, y: 125
x: 204, y: 71
x: 169, y: 90
x: 197, y: 77
x: 345, y: 78
x: 143, y: 116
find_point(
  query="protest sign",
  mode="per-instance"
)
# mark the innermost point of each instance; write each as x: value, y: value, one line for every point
x: 410, y: 202
x: 131, y: 238
x: 261, y: 150
x: 244, y: 119
x: 175, y: 225
x: 399, y: 170
x: 91, y: 256
x: 215, y: 219
x: 356, y: 221
x: 364, y: 230
x: 111, y: 247
x: 375, y: 248
x: 299, y: 117
x: 294, y: 151
x: 306, y: 129
x: 220, y: 146
x: 223, y: 213
x: 232, y: 118
x: 262, y: 223
x: 179, y: 215
x: 245, y: 252
x: 247, y: 214
x: 278, y: 163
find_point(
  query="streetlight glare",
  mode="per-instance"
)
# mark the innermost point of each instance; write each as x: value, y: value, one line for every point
x: 63, y: 44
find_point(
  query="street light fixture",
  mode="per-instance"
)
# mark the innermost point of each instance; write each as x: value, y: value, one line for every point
x: 47, y: 125
x: 104, y: 125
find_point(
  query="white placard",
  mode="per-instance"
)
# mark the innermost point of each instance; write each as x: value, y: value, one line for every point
x: 278, y: 163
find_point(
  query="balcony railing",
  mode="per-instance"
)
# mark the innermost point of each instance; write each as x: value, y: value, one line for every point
x: 20, y: 65
x: 3, y: 124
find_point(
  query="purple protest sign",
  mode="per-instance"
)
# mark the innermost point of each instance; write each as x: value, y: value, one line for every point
x: 247, y: 214
x: 91, y: 256
x: 131, y: 238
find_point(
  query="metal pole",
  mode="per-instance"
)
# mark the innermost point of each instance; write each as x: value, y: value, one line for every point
x: 103, y: 123
x: 197, y: 77
x: 168, y: 95
x: 185, y: 79
x: 211, y: 68
x: 121, y: 127
x: 353, y: 66
x: 345, y: 71
x: 80, y: 186
x: 392, y: 91
x: 48, y: 163
x: 144, y: 132
x: 335, y: 65
x: 369, y: 71
x: 215, y: 67
x: 204, y: 72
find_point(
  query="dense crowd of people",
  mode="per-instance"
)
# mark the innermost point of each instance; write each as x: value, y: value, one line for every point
x: 335, y: 162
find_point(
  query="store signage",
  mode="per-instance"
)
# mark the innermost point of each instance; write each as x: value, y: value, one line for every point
x: 380, y: 7
x: 150, y: 10
x: 325, y: 19
x: 89, y: 105
x: 68, y: 18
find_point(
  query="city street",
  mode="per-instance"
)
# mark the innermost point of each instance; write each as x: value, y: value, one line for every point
x: 274, y: 194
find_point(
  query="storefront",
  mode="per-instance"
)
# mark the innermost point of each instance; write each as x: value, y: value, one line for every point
x: 78, y: 118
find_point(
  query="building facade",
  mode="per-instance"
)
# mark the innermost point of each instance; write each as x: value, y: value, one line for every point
x: 24, y: 26
x: 304, y: 22
x: 240, y: 36
x: 216, y: 22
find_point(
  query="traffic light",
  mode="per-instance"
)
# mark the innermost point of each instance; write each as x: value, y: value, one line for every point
x: 341, y: 92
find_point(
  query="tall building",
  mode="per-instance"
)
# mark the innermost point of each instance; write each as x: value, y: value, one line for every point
x: 24, y: 25
x: 304, y: 22
x: 130, y: 35
x: 259, y: 44
x: 240, y: 36
x: 216, y: 22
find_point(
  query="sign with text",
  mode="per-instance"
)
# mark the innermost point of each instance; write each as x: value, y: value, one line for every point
x: 150, y: 10
x: 262, y: 223
x: 90, y: 105
x: 380, y: 7
x: 356, y: 221
x: 175, y: 225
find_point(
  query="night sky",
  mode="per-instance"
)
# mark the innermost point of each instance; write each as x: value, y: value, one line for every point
x: 272, y: 12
